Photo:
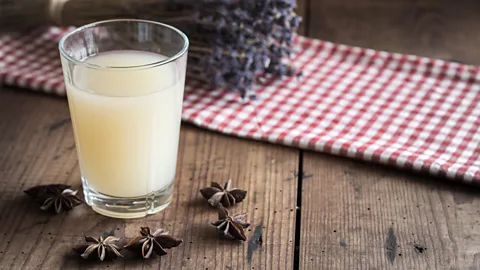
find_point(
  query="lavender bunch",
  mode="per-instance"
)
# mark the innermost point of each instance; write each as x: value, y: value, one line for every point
x: 233, y: 43
x: 237, y: 43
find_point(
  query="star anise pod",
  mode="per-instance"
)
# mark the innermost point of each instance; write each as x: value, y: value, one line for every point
x: 45, y: 191
x: 157, y: 242
x: 100, y: 249
x: 231, y: 226
x: 226, y: 195
x: 56, y: 197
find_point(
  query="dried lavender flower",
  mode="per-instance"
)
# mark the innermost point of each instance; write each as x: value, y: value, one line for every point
x: 235, y: 42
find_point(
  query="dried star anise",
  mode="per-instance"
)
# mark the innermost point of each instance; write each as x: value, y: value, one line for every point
x: 45, y: 191
x: 231, y: 226
x: 56, y: 197
x: 227, y: 195
x: 100, y: 248
x: 149, y: 243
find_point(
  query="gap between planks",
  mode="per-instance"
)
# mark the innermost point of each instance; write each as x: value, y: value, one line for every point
x: 298, y: 210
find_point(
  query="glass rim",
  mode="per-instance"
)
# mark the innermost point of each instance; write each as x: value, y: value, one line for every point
x: 179, y: 54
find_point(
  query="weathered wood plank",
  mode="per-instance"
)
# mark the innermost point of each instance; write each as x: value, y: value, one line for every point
x: 37, y: 147
x: 433, y: 28
x: 302, y: 10
x: 364, y: 216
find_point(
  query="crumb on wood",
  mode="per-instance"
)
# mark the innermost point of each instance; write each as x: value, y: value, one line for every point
x: 419, y: 248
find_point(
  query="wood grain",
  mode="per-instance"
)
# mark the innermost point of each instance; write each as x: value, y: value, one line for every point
x: 303, y: 11
x: 433, y: 28
x: 364, y: 216
x: 37, y: 147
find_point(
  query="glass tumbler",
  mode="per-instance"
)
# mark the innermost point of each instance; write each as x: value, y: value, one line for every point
x: 125, y: 81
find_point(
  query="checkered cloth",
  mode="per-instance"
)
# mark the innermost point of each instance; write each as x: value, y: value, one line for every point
x: 411, y: 112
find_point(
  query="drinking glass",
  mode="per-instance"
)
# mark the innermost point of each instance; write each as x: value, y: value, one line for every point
x: 125, y: 81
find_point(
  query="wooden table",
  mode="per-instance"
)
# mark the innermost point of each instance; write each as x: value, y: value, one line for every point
x: 308, y: 210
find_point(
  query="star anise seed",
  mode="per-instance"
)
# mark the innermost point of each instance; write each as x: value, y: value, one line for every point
x: 44, y: 191
x: 148, y: 243
x: 56, y: 197
x: 226, y: 195
x: 231, y: 226
x: 100, y: 248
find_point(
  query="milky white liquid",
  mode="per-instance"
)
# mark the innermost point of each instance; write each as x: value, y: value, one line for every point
x: 127, y: 122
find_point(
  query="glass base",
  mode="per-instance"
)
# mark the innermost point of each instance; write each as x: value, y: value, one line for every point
x: 124, y: 208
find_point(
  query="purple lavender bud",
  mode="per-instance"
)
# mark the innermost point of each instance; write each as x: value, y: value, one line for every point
x: 248, y: 39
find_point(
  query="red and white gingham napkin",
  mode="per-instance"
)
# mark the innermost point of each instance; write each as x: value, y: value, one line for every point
x: 407, y: 111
